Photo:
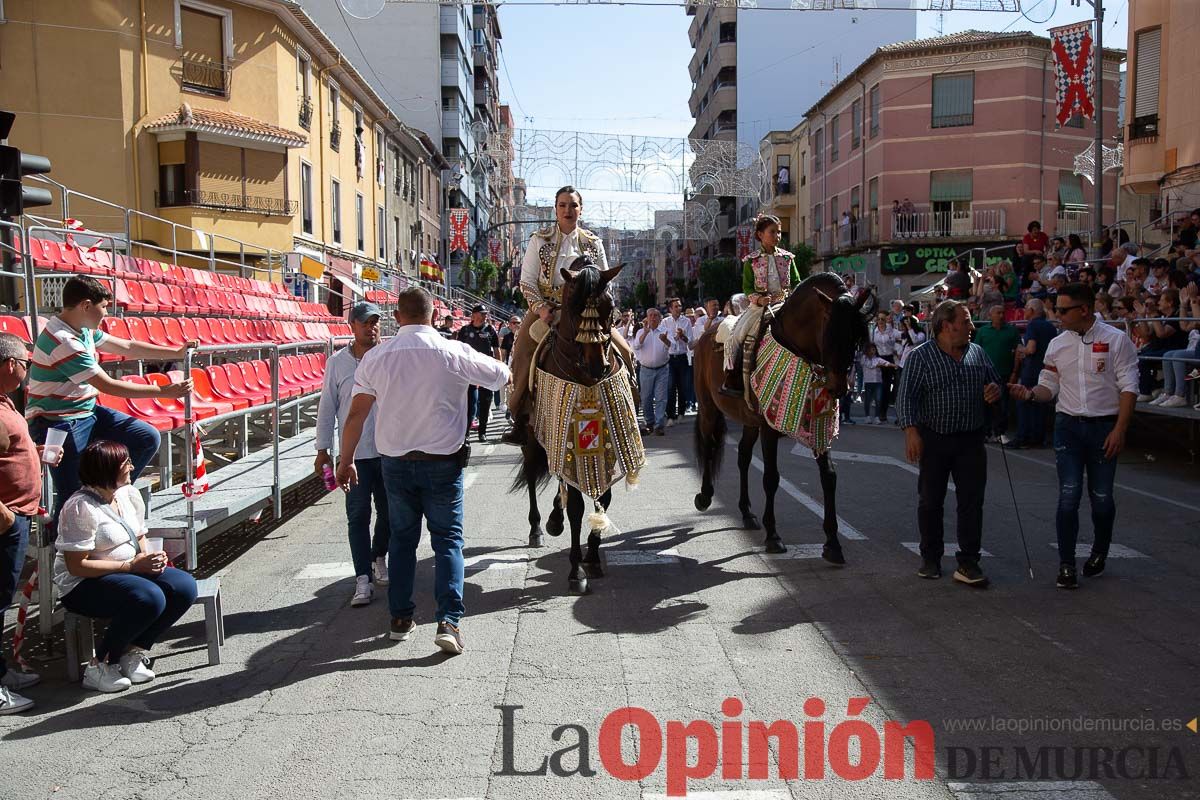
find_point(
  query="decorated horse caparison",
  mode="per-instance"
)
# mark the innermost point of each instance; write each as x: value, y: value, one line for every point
x: 584, y: 423
x: 799, y: 371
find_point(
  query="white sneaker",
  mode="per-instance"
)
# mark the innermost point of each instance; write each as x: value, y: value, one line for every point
x: 134, y: 666
x: 670, y: 423
x: 105, y: 678
x: 19, y: 680
x: 363, y: 591
x: 1158, y: 401
x: 13, y: 703
x: 379, y: 571
x: 1174, y: 401
x: 1006, y: 440
x: 1145, y: 398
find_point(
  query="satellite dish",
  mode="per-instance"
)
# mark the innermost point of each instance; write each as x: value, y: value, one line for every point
x: 362, y: 9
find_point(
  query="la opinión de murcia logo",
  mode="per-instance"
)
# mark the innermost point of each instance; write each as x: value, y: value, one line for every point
x: 740, y: 749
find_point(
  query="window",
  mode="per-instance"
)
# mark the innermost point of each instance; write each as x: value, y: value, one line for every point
x: 950, y: 199
x: 816, y: 215
x: 874, y: 100
x: 306, y: 198
x: 360, y: 224
x: 335, y: 209
x: 205, y: 35
x: 873, y: 197
x: 803, y: 164
x: 783, y: 174
x: 303, y: 74
x: 1147, y: 49
x: 834, y: 131
x: 396, y: 235
x: 381, y: 233
x: 335, y: 126
x: 856, y: 201
x: 953, y: 100
x: 170, y: 185
x: 818, y: 154
x: 856, y: 120
x: 833, y: 212
x: 1070, y: 192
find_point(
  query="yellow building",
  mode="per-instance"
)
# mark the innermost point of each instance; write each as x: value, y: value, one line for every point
x: 785, y: 193
x: 241, y: 119
x: 1162, y: 134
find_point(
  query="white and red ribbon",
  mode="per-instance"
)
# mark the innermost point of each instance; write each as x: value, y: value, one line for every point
x: 22, y: 612
x: 458, y: 230
x: 744, y: 234
x: 1074, y: 77
x: 198, y: 484
x: 78, y: 227
x: 494, y: 245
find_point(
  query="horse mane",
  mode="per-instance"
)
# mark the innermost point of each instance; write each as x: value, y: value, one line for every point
x: 847, y: 329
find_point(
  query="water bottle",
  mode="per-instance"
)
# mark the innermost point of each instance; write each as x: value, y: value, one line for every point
x: 327, y: 476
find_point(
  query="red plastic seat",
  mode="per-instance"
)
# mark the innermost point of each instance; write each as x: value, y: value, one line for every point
x: 207, y: 385
x: 101, y: 261
x: 289, y: 376
x: 241, y: 329
x: 262, y: 368
x: 43, y: 256
x: 19, y: 328
x: 227, y: 330
x: 137, y: 330
x: 255, y: 383
x: 172, y: 406
x: 161, y: 422
x: 156, y: 331
x: 147, y: 407
x: 124, y: 294
x: 174, y: 329
x: 204, y: 332
x: 166, y: 305
x: 149, y: 298
x: 190, y: 331
x: 238, y: 382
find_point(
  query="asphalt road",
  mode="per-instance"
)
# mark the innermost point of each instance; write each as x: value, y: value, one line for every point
x: 1023, y: 686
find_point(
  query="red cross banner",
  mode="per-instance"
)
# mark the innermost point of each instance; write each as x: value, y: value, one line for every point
x: 743, y: 241
x: 494, y: 249
x: 1074, y: 77
x: 458, y: 230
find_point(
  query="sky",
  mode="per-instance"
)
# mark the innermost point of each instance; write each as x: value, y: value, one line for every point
x: 620, y: 69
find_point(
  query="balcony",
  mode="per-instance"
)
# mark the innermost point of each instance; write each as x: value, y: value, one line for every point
x: 1073, y: 221
x: 948, y: 224
x: 267, y: 206
x: 205, y: 77
x: 1143, y: 128
x: 335, y: 136
x: 306, y: 112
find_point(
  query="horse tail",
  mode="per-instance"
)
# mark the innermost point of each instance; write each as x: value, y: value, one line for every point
x: 709, y: 438
x: 535, y: 469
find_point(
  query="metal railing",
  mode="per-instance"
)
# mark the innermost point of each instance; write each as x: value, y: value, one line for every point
x: 206, y: 77
x: 306, y: 113
x: 948, y: 224
x: 226, y: 201
x: 1068, y: 222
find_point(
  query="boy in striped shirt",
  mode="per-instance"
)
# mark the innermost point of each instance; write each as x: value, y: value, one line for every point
x: 65, y: 379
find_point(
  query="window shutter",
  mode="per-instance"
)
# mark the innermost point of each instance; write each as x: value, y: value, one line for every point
x: 1146, y: 67
x: 950, y: 185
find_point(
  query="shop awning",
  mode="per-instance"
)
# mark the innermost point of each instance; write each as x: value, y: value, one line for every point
x: 1070, y: 192
x: 343, y: 270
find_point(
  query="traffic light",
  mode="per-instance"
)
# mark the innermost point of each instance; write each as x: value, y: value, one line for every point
x: 15, y: 165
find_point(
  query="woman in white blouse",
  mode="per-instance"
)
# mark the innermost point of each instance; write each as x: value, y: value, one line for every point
x: 103, y: 570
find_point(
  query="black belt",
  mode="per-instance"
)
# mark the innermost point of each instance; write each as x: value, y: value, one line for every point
x: 1104, y: 418
x: 419, y: 455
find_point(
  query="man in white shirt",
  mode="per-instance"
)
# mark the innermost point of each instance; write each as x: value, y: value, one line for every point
x: 549, y: 252
x: 1092, y: 369
x: 678, y: 329
x: 651, y: 346
x: 419, y: 381
x: 367, y: 551
x: 884, y: 337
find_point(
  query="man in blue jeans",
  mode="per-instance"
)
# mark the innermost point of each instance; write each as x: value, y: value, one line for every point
x: 650, y: 346
x: 1092, y: 369
x: 369, y: 553
x: 66, y: 378
x: 20, y: 493
x: 419, y: 382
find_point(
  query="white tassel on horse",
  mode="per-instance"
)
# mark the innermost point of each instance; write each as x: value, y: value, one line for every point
x: 598, y: 520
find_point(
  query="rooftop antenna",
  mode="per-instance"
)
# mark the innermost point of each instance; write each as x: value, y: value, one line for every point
x: 941, y: 23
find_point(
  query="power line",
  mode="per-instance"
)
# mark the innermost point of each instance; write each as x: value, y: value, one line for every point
x: 382, y: 83
x: 511, y: 88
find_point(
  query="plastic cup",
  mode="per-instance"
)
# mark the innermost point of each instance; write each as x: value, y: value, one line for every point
x: 154, y: 544
x: 52, y: 452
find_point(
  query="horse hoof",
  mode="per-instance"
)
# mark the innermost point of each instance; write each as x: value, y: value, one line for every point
x: 535, y: 539
x: 703, y: 501
x: 594, y: 569
x: 554, y: 527
x: 750, y: 523
x: 833, y: 555
x: 577, y: 586
x: 776, y: 546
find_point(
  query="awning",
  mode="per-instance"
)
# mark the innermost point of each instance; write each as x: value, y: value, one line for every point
x: 948, y: 186
x: 1070, y: 192
x: 343, y: 270
x: 311, y: 267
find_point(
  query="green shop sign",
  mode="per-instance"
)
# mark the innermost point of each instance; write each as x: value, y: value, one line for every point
x: 920, y: 259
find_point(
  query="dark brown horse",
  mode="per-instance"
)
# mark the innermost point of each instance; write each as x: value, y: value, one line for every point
x: 821, y: 323
x: 586, y: 363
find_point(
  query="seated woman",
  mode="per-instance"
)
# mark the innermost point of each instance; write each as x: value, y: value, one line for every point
x: 1177, y: 362
x: 103, y: 570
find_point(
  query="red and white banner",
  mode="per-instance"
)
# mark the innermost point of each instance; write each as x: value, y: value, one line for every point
x: 77, y: 226
x: 198, y: 484
x: 494, y: 246
x: 744, y: 237
x: 1074, y: 78
x: 458, y: 230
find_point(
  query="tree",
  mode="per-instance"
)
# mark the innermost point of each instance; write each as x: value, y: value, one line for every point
x: 486, y: 273
x: 805, y: 256
x: 641, y: 294
x: 722, y: 278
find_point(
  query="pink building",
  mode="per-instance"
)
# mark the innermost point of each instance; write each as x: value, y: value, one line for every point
x: 962, y: 127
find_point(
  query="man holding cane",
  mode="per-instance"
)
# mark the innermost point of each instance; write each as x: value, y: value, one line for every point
x: 419, y: 382
x: 1092, y: 368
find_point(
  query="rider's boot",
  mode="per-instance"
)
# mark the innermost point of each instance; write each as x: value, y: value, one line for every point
x: 734, y: 385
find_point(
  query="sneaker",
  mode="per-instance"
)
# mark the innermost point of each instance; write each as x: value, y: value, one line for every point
x: 872, y: 421
x: 1145, y: 398
x: 135, y: 665
x: 1193, y: 375
x: 363, y: 591
x: 1008, y: 441
x: 1197, y: 406
x: 659, y: 431
x: 1158, y: 401
x: 848, y: 421
x: 1066, y: 577
x: 17, y: 681
x: 105, y: 678
x: 930, y: 570
x: 449, y: 638
x: 379, y: 571
x: 670, y: 423
x: 401, y: 629
x: 971, y: 575
x: 1093, y: 566
x: 1173, y: 401
x: 13, y: 703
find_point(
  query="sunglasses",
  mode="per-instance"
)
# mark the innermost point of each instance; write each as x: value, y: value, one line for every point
x: 1065, y: 309
x: 27, y: 362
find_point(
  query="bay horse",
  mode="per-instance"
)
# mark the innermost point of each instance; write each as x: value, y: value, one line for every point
x: 586, y: 363
x: 821, y: 323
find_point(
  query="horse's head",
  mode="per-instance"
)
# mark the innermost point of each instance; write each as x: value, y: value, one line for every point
x: 587, y: 314
x: 822, y: 322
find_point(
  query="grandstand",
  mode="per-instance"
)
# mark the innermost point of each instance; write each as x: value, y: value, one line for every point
x: 257, y: 372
